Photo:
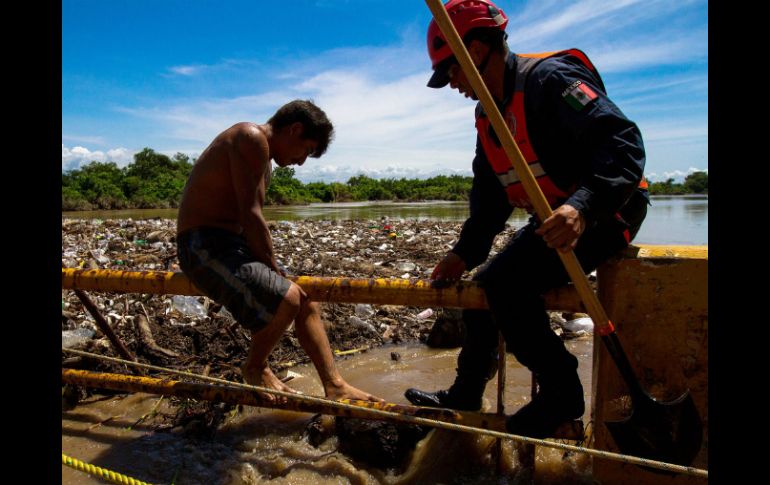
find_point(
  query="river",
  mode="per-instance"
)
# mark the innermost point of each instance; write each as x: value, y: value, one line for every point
x: 261, y: 446
x: 674, y: 220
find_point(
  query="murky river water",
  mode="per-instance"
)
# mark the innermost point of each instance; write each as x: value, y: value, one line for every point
x: 265, y: 446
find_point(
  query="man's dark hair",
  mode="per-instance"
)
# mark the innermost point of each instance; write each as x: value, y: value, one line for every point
x: 494, y: 38
x: 316, y: 126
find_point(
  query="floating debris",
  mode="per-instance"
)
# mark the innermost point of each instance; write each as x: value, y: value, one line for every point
x: 205, y: 333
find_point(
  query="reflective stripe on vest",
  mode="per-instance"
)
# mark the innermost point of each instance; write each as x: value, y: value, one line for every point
x: 517, y: 124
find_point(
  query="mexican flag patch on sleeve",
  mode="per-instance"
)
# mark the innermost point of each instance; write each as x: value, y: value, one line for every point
x: 578, y: 95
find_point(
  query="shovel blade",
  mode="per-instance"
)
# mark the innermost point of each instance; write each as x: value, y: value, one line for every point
x: 670, y: 432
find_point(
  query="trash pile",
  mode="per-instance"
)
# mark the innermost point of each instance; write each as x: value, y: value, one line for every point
x: 206, y: 335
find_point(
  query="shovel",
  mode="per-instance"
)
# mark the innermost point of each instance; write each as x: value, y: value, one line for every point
x: 665, y: 431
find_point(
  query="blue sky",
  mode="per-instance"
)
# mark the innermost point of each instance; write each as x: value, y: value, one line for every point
x: 170, y: 75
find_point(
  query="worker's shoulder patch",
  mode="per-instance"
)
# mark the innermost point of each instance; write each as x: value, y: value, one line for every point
x: 578, y: 95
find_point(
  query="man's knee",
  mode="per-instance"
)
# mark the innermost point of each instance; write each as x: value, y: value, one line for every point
x: 293, y: 299
x: 312, y: 306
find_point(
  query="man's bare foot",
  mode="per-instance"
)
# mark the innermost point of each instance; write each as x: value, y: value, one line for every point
x: 264, y: 377
x: 340, y: 389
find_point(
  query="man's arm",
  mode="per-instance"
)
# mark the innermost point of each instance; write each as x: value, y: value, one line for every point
x: 249, y: 156
x: 610, y: 157
x: 607, y: 157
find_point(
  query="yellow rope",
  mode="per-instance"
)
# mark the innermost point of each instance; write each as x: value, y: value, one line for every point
x: 634, y: 460
x: 102, y: 473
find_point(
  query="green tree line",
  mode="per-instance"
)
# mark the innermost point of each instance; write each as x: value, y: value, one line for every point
x: 154, y: 180
x: 285, y: 189
x: 695, y: 183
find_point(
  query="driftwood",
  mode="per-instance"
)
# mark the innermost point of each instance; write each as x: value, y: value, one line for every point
x: 145, y: 336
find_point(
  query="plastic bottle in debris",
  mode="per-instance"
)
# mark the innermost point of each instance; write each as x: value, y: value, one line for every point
x: 364, y: 325
x: 425, y: 314
x: 188, y: 305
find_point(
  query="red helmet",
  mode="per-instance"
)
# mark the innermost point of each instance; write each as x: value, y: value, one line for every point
x: 465, y: 15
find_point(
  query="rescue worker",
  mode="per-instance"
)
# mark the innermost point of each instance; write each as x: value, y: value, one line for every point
x: 588, y: 159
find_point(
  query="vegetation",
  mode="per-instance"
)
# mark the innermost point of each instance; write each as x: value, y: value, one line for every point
x: 695, y: 183
x: 285, y: 189
x: 154, y: 180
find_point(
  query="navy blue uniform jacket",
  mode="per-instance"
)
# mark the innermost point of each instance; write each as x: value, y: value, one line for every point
x: 595, y: 149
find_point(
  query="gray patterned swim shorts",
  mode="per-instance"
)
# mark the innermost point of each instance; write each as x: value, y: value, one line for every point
x: 221, y: 265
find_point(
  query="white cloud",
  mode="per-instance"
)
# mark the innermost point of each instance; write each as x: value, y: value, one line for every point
x: 75, y: 157
x: 548, y: 19
x: 620, y: 36
x: 686, y: 129
x: 334, y: 173
x: 97, y: 140
x: 380, y: 121
x: 635, y: 55
x: 185, y: 70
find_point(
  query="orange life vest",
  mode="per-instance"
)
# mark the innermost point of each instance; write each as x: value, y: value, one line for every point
x: 517, y: 124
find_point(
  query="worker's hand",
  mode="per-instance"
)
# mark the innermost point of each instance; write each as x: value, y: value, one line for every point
x: 447, y: 271
x: 562, y: 230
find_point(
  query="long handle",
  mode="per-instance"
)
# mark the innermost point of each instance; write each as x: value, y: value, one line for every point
x: 590, y: 301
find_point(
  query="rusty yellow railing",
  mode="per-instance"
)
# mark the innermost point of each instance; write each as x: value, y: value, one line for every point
x: 414, y: 292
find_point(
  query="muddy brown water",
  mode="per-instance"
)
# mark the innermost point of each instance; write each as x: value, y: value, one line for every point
x: 266, y: 446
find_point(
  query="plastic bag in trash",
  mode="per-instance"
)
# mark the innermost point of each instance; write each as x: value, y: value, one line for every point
x: 585, y: 324
x: 72, y: 338
x: 364, y: 310
x: 188, y: 305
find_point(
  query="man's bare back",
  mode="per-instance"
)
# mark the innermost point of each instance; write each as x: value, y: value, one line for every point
x: 210, y: 198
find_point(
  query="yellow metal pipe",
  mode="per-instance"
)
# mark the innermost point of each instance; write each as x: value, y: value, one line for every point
x: 234, y: 395
x: 678, y: 252
x: 464, y: 294
x: 299, y: 403
x: 154, y: 282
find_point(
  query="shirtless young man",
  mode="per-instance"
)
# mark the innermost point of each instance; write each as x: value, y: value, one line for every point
x: 225, y: 248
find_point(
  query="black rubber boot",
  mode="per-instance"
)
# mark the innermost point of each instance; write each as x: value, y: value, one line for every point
x: 476, y: 365
x: 560, y: 399
x: 463, y: 395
